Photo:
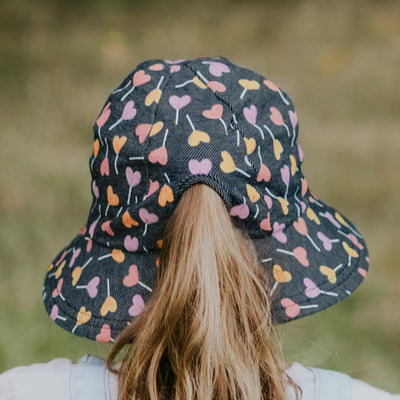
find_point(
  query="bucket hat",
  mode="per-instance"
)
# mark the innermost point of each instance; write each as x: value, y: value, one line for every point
x: 166, y: 127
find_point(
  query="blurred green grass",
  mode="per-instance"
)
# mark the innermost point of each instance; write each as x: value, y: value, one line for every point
x: 338, y: 60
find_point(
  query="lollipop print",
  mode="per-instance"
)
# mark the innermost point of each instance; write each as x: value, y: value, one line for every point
x: 77, y: 272
x: 276, y: 118
x: 138, y: 305
x: 242, y: 210
x: 116, y: 254
x: 165, y: 196
x: 351, y: 252
x: 215, y: 86
x: 326, y: 242
x: 75, y: 254
x: 330, y: 273
x: 292, y: 309
x: 132, y: 278
x: 105, y: 334
x: 54, y: 313
x: 302, y: 204
x: 58, y: 271
x: 299, y: 253
x: 277, y: 232
x: 147, y: 218
x: 343, y: 222
x: 280, y: 276
x: 195, y: 80
x: 178, y: 103
x: 112, y: 198
x: 248, y: 85
x: 91, y: 287
x: 118, y: 143
x: 82, y: 318
x: 250, y: 113
x: 160, y: 154
x: 278, y: 149
x: 312, y: 290
x: 153, y: 187
x: 96, y: 193
x: 57, y: 291
x: 131, y: 244
x: 228, y: 165
x: 105, y: 114
x: 283, y: 202
x: 264, y: 174
x: 215, y: 112
x: 217, y: 68
x: 301, y: 227
x: 104, y: 166
x: 352, y: 238
x: 110, y: 304
x: 139, y: 78
x: 254, y: 196
x: 96, y: 148
x: 128, y: 113
x: 330, y: 218
x: 142, y: 130
x: 275, y: 88
x: 196, y: 137
x: 285, y: 174
x: 133, y: 179
x: 155, y: 95
x: 293, y: 120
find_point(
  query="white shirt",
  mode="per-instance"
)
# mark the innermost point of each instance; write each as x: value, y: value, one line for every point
x: 61, y: 380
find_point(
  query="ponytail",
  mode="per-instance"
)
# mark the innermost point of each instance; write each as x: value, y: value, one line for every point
x: 206, y: 332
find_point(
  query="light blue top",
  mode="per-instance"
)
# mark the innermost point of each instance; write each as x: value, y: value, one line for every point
x: 89, y: 379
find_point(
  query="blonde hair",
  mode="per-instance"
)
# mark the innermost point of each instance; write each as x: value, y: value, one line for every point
x: 206, y: 332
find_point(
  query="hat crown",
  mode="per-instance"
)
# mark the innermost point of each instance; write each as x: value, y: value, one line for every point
x: 169, y: 125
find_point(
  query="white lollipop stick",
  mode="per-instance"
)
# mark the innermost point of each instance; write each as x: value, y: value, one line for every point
x: 310, y: 306
x: 184, y: 83
x: 285, y: 101
x: 224, y: 124
x: 146, y: 287
x: 261, y: 131
x: 270, y: 194
x: 127, y: 93
x: 329, y: 293
x: 287, y: 129
x: 313, y: 243
x: 242, y: 172
x: 269, y: 131
x: 119, y: 90
x: 115, y: 124
x: 190, y: 122
x: 257, y: 210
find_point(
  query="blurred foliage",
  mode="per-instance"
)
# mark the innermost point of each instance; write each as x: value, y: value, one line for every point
x: 340, y: 62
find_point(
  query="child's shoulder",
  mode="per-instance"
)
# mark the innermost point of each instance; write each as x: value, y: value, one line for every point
x: 59, y: 379
x: 322, y: 384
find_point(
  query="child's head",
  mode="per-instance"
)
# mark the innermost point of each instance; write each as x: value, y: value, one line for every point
x: 224, y: 137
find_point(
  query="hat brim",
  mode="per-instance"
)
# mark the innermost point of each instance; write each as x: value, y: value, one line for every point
x: 313, y: 263
x: 94, y: 291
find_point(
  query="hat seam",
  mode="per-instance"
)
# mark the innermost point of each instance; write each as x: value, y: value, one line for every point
x: 234, y: 113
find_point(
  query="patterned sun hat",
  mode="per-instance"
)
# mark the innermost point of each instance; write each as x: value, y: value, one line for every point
x: 168, y: 126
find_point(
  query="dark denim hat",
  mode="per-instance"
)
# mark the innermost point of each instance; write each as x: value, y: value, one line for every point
x: 168, y: 126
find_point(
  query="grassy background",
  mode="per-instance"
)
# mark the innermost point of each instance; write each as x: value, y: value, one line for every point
x: 340, y: 62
